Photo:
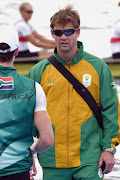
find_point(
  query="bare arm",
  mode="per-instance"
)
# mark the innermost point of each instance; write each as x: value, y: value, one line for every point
x: 40, y: 43
x: 43, y: 124
x: 51, y: 43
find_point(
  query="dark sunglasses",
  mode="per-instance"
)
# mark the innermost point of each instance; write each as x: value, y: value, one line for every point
x: 67, y: 32
x: 29, y: 11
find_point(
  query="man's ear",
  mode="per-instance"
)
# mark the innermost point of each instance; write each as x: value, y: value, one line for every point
x: 78, y: 32
x: 16, y: 52
x: 52, y: 34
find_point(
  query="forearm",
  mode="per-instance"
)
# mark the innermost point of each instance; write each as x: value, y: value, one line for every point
x: 110, y: 109
x: 43, y: 124
x: 42, y: 39
x: 43, y: 44
x: 111, y: 126
x: 41, y: 145
x: 40, y: 43
x: 50, y: 43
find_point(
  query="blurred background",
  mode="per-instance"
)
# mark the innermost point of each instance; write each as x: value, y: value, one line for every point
x: 97, y: 22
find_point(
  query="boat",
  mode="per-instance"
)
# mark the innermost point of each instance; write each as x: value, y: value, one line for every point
x: 23, y: 65
x: 114, y: 65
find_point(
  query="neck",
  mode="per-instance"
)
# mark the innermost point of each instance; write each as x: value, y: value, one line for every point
x: 67, y: 56
x: 7, y: 64
x: 26, y: 20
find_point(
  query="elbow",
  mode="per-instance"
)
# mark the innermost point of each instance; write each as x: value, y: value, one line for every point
x: 51, y: 142
x: 48, y: 140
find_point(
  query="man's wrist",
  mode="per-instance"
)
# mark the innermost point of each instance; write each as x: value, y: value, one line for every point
x: 111, y: 150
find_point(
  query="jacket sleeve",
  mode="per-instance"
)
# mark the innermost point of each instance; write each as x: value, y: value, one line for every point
x: 35, y: 73
x: 110, y: 109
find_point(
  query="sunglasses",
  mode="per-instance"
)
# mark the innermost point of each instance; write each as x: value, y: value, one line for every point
x: 67, y: 32
x: 29, y: 11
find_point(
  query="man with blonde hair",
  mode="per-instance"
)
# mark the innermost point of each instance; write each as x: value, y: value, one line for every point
x: 27, y: 33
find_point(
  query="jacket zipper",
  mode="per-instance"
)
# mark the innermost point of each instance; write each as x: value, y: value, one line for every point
x: 68, y: 122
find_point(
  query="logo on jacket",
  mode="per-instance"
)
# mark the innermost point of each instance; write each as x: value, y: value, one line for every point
x: 86, y: 81
x: 6, y: 83
x: 113, y: 85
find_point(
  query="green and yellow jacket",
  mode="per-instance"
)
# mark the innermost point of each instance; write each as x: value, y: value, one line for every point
x: 78, y: 137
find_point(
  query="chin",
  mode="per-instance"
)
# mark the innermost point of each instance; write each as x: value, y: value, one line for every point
x: 65, y: 50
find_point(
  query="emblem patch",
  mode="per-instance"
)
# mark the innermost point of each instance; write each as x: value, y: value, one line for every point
x: 113, y: 85
x: 86, y: 80
x: 6, y: 83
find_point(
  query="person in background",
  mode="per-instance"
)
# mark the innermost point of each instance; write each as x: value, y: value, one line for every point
x: 82, y: 149
x: 22, y: 101
x: 115, y: 40
x: 27, y: 33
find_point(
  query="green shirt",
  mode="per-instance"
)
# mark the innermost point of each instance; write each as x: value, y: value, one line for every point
x: 17, y: 102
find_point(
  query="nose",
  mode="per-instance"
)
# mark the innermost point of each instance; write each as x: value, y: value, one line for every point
x: 63, y: 36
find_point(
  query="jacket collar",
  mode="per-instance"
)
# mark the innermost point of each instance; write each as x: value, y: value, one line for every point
x: 6, y: 68
x: 75, y: 59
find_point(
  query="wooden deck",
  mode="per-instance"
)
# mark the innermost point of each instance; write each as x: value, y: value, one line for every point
x: 23, y: 65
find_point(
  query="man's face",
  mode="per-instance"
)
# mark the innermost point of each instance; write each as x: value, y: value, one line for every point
x: 27, y: 12
x: 65, y: 44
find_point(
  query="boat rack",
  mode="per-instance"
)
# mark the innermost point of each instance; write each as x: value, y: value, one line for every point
x: 23, y: 65
x: 114, y: 65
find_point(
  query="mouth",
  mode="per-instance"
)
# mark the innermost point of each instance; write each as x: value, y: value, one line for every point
x: 64, y: 44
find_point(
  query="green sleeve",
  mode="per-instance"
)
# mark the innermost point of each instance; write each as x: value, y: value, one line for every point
x: 35, y: 73
x: 110, y: 108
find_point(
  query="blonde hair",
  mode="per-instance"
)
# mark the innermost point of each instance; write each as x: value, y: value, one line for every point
x: 23, y: 5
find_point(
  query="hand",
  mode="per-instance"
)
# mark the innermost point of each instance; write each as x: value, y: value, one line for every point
x: 33, y: 146
x: 109, y: 160
x: 34, y: 168
x: 33, y: 171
